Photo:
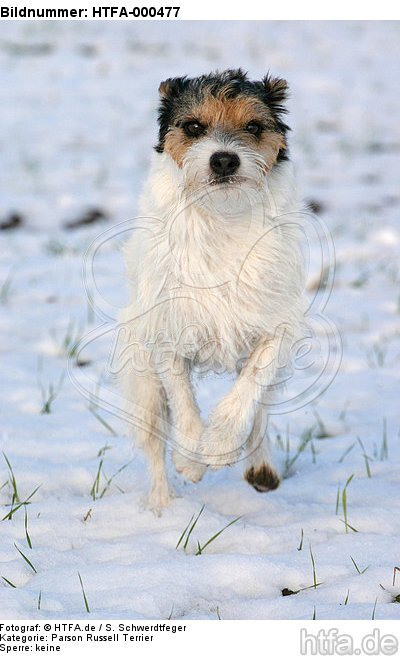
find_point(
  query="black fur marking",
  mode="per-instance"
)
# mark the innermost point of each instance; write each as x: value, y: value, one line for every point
x: 181, y: 91
x: 263, y: 478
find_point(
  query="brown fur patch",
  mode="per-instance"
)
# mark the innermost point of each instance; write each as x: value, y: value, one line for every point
x: 270, y: 145
x: 263, y: 478
x: 230, y: 116
x: 177, y: 145
x: 231, y: 113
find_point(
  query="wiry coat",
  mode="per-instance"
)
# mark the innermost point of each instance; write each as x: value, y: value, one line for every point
x: 216, y: 279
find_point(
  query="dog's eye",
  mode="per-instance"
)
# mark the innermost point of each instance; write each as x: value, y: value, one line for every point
x: 254, y: 128
x: 193, y: 128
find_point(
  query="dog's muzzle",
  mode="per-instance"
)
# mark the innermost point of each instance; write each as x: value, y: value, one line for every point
x: 224, y: 164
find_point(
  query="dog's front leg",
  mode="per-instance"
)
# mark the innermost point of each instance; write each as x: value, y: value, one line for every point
x: 185, y: 414
x: 259, y: 471
x: 232, y: 420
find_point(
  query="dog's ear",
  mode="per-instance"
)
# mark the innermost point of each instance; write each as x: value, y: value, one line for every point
x: 169, y: 91
x: 277, y: 90
x: 171, y: 87
x: 164, y: 88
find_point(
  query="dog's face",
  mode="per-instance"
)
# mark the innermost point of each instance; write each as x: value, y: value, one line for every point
x: 222, y: 130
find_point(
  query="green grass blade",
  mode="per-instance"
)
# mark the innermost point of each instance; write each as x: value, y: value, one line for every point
x: 307, y: 437
x: 26, y: 559
x: 344, y: 502
x: 23, y: 503
x: 184, y: 532
x: 346, y: 452
x: 15, y: 497
x: 214, y: 537
x: 28, y: 539
x: 102, y: 452
x: 355, y: 564
x: 308, y: 587
x: 357, y: 568
x: 192, y: 527
x: 103, y: 421
x: 348, y: 526
x: 96, y: 483
x: 110, y: 480
x: 84, y: 594
x: 313, y: 568
x: 338, y: 499
x: 299, y: 548
x: 384, y: 448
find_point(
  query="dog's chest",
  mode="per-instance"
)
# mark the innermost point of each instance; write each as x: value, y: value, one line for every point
x: 212, y: 293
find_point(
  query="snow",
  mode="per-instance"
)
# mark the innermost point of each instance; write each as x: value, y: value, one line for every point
x: 78, y: 106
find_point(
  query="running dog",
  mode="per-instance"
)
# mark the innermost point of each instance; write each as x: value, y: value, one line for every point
x: 216, y: 275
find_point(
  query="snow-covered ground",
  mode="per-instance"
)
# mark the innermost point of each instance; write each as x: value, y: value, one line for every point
x: 77, y: 126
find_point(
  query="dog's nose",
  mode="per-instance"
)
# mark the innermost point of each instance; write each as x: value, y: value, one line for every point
x: 224, y: 163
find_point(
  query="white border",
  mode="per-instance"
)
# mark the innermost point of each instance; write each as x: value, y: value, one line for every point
x: 227, y: 10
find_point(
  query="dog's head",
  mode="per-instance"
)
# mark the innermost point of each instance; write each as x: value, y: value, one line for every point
x: 223, y: 130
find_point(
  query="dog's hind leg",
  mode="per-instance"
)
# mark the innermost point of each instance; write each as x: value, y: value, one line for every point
x: 149, y: 416
x: 259, y: 471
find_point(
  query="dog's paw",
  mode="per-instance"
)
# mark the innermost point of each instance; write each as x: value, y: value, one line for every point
x: 190, y: 469
x: 263, y: 478
x: 218, y: 446
x: 159, y: 498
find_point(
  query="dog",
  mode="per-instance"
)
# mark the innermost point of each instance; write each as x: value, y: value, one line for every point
x: 216, y: 277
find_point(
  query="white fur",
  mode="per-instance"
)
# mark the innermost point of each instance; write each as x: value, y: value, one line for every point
x: 216, y: 278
